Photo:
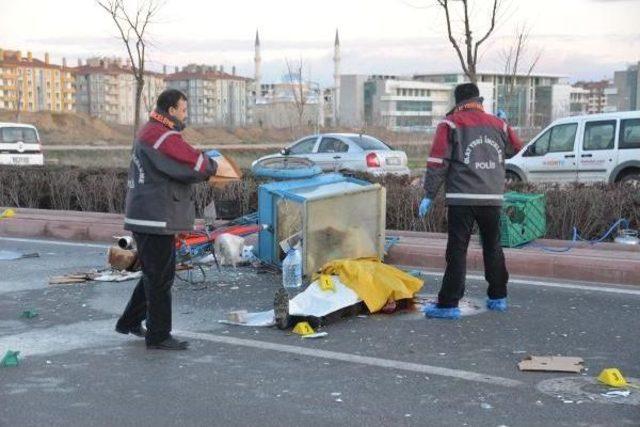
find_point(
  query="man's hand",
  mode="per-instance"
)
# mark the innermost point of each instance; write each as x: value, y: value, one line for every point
x: 425, y: 205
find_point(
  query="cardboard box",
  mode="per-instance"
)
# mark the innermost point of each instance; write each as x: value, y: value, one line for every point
x: 552, y: 364
x: 239, y: 316
x: 227, y: 172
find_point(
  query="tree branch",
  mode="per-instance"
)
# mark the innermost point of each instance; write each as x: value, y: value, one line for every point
x: 136, y: 25
x: 445, y: 6
x: 468, y: 38
x: 486, y: 36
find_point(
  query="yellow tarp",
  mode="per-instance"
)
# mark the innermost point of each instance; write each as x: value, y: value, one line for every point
x: 374, y: 282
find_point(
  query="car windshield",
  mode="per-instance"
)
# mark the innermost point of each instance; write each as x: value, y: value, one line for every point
x: 369, y: 143
x: 10, y: 135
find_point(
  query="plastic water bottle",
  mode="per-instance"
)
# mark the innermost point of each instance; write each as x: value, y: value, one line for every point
x: 292, y: 269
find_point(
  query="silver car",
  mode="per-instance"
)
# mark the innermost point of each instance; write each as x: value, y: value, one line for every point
x: 342, y: 152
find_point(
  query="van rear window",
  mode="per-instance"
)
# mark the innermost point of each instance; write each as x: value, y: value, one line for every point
x: 10, y: 135
x: 630, y: 134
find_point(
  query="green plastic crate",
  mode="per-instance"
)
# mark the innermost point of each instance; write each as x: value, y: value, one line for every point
x: 523, y: 219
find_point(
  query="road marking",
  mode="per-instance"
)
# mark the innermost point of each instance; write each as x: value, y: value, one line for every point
x: 54, y: 242
x: 354, y: 358
x: 94, y: 334
x: 604, y: 288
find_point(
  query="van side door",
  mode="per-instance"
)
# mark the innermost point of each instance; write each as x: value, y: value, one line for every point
x: 552, y: 156
x: 598, y: 154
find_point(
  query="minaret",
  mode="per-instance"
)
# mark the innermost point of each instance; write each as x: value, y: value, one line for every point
x: 336, y: 79
x: 257, y: 61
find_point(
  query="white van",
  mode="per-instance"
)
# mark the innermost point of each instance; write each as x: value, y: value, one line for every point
x: 20, y: 145
x: 594, y: 148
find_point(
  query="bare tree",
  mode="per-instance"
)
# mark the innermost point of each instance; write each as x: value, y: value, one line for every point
x: 518, y: 62
x: 469, y: 59
x: 132, y: 28
x: 298, y: 90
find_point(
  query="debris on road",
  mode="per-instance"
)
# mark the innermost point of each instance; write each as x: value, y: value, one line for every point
x: 29, y: 314
x: 117, y: 276
x: 13, y: 255
x: 315, y: 335
x: 97, y: 276
x: 123, y: 259
x: 239, y: 316
x: 69, y: 279
x: 552, y: 364
x: 616, y: 393
x: 257, y: 320
x: 10, y: 359
x: 124, y: 242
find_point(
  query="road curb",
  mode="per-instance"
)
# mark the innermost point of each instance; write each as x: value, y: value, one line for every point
x: 604, y: 263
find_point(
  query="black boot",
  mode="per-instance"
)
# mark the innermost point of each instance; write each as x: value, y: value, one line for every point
x: 138, y: 330
x: 169, y: 344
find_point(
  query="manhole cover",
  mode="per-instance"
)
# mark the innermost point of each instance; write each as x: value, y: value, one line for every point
x: 587, y: 389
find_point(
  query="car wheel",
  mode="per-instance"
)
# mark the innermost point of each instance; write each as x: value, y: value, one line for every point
x: 512, y: 177
x: 632, y: 179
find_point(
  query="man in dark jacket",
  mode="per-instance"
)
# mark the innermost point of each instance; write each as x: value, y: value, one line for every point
x: 160, y: 204
x: 468, y: 153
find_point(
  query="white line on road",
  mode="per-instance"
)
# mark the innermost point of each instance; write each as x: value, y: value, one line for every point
x: 604, y: 288
x: 87, y: 335
x: 354, y: 358
x: 54, y: 242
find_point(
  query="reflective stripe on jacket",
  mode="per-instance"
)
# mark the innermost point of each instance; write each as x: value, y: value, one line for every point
x: 163, y: 167
x: 468, y: 154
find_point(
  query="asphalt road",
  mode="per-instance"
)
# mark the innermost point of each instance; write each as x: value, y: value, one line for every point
x: 399, y: 369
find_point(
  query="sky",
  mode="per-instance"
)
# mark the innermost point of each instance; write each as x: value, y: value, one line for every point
x: 580, y: 39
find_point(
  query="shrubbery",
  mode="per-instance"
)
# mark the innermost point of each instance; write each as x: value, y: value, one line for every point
x: 590, y: 208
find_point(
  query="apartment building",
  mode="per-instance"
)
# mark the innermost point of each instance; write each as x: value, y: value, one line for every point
x: 579, y: 101
x: 31, y: 84
x: 597, y: 97
x: 215, y: 97
x: 106, y: 89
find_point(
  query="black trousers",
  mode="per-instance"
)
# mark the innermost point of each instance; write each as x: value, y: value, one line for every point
x: 461, y: 220
x: 151, y: 298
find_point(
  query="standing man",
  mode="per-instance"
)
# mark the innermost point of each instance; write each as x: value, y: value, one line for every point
x: 160, y: 204
x: 468, y: 152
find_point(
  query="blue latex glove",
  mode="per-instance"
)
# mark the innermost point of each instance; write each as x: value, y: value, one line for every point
x: 425, y: 205
x: 213, y: 153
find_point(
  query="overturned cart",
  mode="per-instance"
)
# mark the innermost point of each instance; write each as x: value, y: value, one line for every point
x: 339, y: 223
x: 332, y: 216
